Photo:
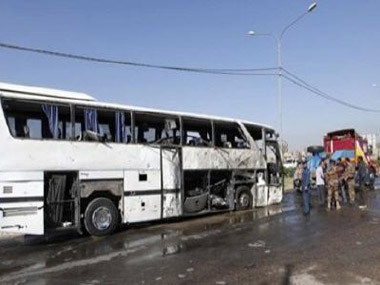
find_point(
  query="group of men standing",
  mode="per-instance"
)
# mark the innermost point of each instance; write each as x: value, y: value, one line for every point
x: 340, y: 178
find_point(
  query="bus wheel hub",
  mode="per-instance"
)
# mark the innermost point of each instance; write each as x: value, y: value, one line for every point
x: 244, y: 200
x: 102, y: 218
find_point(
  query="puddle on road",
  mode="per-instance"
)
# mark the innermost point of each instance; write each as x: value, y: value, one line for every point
x: 167, y: 239
x: 42, y: 268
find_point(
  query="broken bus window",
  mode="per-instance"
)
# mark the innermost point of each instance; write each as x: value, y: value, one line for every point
x: 156, y: 129
x: 229, y: 135
x: 197, y: 132
x: 36, y: 120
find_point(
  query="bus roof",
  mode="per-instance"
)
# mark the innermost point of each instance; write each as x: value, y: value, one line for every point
x: 46, y: 92
x: 39, y: 93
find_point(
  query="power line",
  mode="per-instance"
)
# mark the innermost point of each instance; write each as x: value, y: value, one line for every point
x: 330, y: 98
x: 303, y: 84
x: 268, y: 71
x: 243, y: 72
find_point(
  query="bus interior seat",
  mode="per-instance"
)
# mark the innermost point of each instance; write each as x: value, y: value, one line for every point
x: 227, y: 145
x: 26, y: 132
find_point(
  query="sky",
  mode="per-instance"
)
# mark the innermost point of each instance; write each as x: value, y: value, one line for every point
x: 335, y: 48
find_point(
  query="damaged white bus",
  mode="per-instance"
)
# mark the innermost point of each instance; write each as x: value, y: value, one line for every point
x: 70, y: 162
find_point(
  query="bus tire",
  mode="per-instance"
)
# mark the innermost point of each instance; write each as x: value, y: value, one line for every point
x: 243, y: 198
x: 101, y: 217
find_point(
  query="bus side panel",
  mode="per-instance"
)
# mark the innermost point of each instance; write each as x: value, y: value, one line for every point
x: 142, y: 195
x: 142, y: 208
x: 4, y: 131
x: 21, y: 202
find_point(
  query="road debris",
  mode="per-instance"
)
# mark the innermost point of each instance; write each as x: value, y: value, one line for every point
x: 257, y: 244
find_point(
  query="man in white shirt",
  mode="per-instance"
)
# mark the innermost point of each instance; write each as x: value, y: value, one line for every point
x: 320, y: 176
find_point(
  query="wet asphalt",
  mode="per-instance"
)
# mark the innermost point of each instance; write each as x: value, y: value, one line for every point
x: 275, y: 245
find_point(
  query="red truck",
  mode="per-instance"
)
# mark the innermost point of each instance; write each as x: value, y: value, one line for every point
x: 349, y: 144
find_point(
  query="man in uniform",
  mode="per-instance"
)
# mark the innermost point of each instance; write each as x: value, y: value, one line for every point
x: 332, y: 185
x: 349, y: 177
x: 341, y: 166
x: 362, y: 177
x: 305, y: 187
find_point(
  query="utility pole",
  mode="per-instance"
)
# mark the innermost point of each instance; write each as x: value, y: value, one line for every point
x: 278, y: 38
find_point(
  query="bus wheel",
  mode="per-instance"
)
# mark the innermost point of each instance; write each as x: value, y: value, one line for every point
x: 243, y: 198
x: 100, y: 217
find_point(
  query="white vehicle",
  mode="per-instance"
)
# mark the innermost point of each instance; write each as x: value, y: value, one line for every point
x: 70, y: 162
x: 290, y: 163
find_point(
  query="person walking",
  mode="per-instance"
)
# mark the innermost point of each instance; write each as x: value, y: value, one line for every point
x: 361, y: 177
x: 320, y: 181
x: 332, y: 185
x: 305, y: 187
x: 349, y: 177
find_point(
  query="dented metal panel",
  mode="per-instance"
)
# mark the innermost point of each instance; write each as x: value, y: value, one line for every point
x: 171, y: 182
x: 172, y: 206
x: 261, y: 195
x: 275, y: 194
x: 171, y: 171
x: 218, y: 158
x: 142, y: 208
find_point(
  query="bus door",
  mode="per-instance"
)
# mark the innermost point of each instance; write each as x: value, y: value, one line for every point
x: 171, y: 177
x: 22, y: 202
x: 274, y: 171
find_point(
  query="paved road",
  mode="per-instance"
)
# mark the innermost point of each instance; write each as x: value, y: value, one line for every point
x: 277, y: 245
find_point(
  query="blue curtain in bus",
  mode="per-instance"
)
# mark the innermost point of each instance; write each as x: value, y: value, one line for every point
x: 51, y: 113
x: 91, y: 120
x: 120, y: 127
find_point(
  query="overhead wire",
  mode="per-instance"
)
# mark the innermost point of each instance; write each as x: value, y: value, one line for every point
x: 230, y: 71
x: 267, y: 71
x: 303, y: 84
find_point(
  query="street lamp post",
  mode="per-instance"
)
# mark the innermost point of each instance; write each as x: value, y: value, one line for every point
x: 278, y: 39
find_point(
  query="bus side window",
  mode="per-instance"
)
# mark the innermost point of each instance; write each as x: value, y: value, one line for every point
x: 256, y: 134
x: 106, y: 121
x: 79, y: 124
x: 197, y: 132
x: 64, y: 123
x: 156, y: 129
x: 123, y: 128
x: 92, y: 124
x: 12, y: 125
x: 229, y: 135
x: 37, y: 120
